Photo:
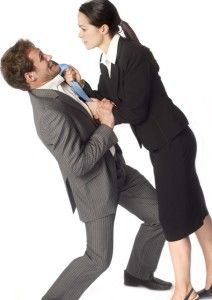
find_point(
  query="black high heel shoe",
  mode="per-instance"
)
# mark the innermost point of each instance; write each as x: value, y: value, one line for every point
x: 189, y: 294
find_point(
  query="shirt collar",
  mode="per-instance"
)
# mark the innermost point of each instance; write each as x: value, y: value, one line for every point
x: 112, y: 51
x: 53, y: 84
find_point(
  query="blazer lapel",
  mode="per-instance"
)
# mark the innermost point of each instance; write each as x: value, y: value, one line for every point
x: 47, y: 93
x: 104, y: 70
x: 111, y: 82
x: 114, y: 79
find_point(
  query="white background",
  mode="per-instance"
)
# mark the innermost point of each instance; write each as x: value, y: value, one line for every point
x: 39, y: 235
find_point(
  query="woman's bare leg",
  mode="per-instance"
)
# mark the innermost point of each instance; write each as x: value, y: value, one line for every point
x: 181, y: 260
x: 204, y: 235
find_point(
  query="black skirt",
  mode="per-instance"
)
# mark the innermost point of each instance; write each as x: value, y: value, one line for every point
x: 182, y: 207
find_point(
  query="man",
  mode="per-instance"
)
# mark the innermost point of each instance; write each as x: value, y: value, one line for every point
x: 94, y: 172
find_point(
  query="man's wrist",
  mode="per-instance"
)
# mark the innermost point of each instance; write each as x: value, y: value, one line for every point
x: 110, y: 124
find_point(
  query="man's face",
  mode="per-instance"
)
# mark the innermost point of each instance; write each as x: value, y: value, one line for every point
x: 45, y: 68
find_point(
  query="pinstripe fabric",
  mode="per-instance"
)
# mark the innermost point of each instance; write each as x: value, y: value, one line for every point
x: 138, y: 196
x: 85, y: 269
x: 81, y: 149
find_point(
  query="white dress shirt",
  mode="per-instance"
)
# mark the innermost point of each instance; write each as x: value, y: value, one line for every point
x: 110, y: 56
x: 58, y: 83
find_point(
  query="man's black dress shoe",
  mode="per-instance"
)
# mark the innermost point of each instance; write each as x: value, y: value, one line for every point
x: 207, y: 294
x: 153, y: 283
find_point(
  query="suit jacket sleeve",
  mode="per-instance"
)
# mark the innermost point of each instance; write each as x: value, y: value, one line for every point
x: 133, y: 106
x: 61, y: 136
x: 92, y: 93
x: 135, y: 73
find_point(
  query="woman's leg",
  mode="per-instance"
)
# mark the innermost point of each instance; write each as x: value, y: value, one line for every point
x: 181, y: 259
x: 204, y: 235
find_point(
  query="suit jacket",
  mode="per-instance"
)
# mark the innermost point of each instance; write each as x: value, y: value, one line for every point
x: 81, y: 148
x: 136, y: 88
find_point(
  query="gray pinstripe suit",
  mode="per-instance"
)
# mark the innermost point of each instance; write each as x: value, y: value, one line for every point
x: 96, y: 182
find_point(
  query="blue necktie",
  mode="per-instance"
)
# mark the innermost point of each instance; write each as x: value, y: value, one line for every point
x: 75, y: 85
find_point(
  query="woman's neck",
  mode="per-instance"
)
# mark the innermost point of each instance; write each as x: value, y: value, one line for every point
x: 105, y: 44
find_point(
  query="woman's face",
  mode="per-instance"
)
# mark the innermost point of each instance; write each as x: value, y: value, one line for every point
x: 90, y: 35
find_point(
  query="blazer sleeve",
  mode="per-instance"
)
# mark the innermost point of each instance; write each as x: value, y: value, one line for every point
x: 92, y: 93
x: 63, y: 140
x: 133, y: 107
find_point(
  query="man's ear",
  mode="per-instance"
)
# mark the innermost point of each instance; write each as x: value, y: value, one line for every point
x: 30, y: 77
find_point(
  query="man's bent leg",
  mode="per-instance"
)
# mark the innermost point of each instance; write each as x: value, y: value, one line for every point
x: 138, y: 196
x: 82, y: 272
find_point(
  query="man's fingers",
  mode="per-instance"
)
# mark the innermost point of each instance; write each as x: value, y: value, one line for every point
x: 107, y: 102
x: 95, y: 100
x: 96, y: 116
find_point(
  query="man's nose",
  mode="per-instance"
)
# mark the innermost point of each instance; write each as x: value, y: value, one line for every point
x: 48, y: 57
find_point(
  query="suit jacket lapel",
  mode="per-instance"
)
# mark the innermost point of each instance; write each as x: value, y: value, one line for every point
x: 104, y: 70
x: 115, y: 70
x: 114, y: 79
x: 48, y: 93
x: 111, y: 82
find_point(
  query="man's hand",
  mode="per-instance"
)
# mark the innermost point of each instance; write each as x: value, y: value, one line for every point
x: 102, y: 110
x: 105, y: 114
x: 94, y: 105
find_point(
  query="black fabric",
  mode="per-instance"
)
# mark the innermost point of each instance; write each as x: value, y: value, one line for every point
x: 140, y: 97
x: 182, y: 207
x: 161, y: 127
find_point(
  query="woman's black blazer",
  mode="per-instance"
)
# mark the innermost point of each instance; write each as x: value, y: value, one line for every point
x: 140, y: 97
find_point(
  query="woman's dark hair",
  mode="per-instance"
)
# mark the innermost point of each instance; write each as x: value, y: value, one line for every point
x: 15, y: 63
x: 101, y: 12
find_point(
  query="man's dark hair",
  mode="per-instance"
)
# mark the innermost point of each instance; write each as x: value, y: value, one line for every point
x: 15, y: 63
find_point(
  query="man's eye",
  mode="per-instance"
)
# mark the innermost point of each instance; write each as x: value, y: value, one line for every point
x: 41, y: 56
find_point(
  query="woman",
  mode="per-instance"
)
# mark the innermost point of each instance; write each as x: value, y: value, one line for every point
x: 129, y: 77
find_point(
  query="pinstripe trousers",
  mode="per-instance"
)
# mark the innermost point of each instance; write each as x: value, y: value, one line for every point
x: 138, y: 196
